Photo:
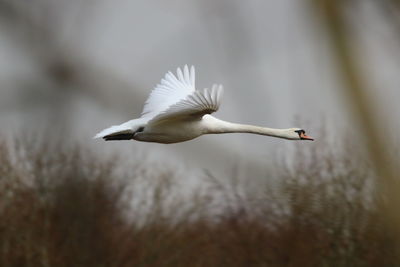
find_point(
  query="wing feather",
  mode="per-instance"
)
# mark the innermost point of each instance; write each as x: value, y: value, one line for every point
x: 194, y: 106
x: 170, y: 91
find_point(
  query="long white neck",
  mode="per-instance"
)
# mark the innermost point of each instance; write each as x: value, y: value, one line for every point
x: 217, y: 126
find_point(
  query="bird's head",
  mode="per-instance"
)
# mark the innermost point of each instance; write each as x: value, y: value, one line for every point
x: 297, y: 134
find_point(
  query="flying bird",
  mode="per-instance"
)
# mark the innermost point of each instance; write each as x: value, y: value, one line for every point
x: 176, y: 112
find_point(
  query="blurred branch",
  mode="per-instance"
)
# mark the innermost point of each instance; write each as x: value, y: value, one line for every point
x: 362, y: 106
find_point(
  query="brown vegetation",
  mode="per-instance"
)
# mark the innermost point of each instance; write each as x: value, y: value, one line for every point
x: 64, y: 207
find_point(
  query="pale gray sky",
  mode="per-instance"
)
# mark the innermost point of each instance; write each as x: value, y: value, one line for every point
x: 271, y: 56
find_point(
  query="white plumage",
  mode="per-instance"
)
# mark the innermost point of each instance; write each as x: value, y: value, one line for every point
x: 175, y: 112
x: 170, y: 91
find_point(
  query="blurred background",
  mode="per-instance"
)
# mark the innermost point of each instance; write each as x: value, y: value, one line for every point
x: 71, y: 68
x: 84, y: 65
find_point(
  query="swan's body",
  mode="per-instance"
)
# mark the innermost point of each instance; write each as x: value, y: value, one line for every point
x: 176, y: 112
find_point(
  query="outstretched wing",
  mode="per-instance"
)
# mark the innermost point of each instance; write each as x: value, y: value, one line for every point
x: 194, y: 106
x: 170, y: 91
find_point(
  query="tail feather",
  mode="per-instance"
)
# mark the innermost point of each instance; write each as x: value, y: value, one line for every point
x: 124, y: 131
x: 116, y: 137
x: 114, y: 130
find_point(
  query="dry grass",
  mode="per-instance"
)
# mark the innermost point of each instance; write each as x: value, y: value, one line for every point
x: 64, y: 207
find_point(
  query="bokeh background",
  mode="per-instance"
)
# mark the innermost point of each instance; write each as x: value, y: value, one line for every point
x: 72, y: 68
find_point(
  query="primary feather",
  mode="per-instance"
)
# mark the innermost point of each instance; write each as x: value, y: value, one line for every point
x: 194, y: 105
x: 171, y: 90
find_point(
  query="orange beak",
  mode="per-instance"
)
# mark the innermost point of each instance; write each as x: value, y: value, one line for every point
x: 306, y: 137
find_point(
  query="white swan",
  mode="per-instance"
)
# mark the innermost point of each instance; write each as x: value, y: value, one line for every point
x: 175, y: 112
